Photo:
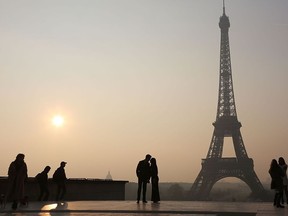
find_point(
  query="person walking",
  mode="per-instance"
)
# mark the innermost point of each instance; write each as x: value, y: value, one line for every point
x: 155, y: 197
x: 42, y: 179
x: 59, y: 177
x: 143, y: 174
x: 283, y: 166
x: 17, y: 174
x: 276, y: 174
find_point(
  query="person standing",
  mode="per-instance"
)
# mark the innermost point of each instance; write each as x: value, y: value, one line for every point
x: 155, y: 197
x: 59, y: 177
x: 276, y: 174
x: 283, y: 166
x: 17, y: 174
x: 42, y: 179
x: 143, y: 174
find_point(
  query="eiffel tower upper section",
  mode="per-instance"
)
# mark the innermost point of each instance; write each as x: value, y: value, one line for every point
x: 226, y: 124
x: 226, y: 101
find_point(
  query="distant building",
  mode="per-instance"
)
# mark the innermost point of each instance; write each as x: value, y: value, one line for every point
x: 109, y: 177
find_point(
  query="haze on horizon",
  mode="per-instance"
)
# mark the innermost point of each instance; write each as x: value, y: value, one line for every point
x: 136, y: 77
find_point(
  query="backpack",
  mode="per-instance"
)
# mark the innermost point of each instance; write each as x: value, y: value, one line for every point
x: 38, y: 177
x: 56, y: 176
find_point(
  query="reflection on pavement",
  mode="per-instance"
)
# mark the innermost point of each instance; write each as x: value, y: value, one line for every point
x: 49, y: 207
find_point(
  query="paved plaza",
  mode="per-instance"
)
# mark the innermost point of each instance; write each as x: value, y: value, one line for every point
x: 131, y: 208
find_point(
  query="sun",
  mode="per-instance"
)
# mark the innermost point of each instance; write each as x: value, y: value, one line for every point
x: 58, y: 121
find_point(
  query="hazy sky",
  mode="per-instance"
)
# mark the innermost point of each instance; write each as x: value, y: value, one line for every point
x: 132, y: 77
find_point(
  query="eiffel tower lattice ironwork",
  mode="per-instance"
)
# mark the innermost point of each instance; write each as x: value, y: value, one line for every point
x: 215, y: 167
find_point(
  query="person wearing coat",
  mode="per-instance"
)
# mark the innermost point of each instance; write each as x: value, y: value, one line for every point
x: 155, y: 197
x: 60, y: 178
x: 143, y: 174
x: 276, y: 174
x: 17, y: 175
x: 42, y: 179
x: 283, y: 166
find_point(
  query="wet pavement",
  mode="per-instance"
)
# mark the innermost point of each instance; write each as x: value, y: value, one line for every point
x: 131, y: 208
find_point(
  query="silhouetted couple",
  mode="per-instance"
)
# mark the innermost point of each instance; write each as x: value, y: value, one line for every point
x: 278, y: 175
x: 145, y: 170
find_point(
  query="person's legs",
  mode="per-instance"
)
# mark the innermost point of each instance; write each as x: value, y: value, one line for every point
x: 63, y: 190
x: 14, y: 204
x: 139, y: 189
x: 282, y: 197
x: 46, y: 192
x: 286, y: 193
x: 155, y: 192
x: 41, y: 193
x: 15, y: 197
x: 144, y: 191
x: 275, y: 199
x: 58, y: 191
x: 279, y: 194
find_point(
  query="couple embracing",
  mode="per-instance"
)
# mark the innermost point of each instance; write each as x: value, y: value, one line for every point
x: 145, y: 170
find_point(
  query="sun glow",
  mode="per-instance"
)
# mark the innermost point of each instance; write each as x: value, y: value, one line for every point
x: 58, y: 121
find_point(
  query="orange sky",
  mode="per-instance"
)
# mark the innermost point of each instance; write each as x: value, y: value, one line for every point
x: 136, y: 77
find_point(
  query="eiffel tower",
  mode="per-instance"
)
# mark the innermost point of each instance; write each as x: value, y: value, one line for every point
x: 215, y: 167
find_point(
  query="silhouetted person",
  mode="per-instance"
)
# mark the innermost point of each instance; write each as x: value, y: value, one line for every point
x: 143, y: 174
x: 155, y: 197
x: 17, y: 174
x: 283, y: 166
x: 276, y: 174
x: 42, y: 179
x: 59, y: 177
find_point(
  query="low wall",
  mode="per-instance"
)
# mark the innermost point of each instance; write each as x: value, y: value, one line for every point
x: 77, y: 189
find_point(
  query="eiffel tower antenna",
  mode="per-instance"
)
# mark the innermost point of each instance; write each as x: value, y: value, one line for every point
x: 215, y: 167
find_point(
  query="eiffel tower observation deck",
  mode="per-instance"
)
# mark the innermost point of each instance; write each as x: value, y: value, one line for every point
x: 215, y: 167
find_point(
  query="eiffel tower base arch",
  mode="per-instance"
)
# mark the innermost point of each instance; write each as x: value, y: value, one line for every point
x: 215, y: 169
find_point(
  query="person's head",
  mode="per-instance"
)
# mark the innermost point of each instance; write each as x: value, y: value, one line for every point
x: 281, y: 161
x: 148, y: 157
x: 274, y: 163
x: 153, y: 161
x: 20, y: 157
x: 63, y: 164
x: 47, y: 169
